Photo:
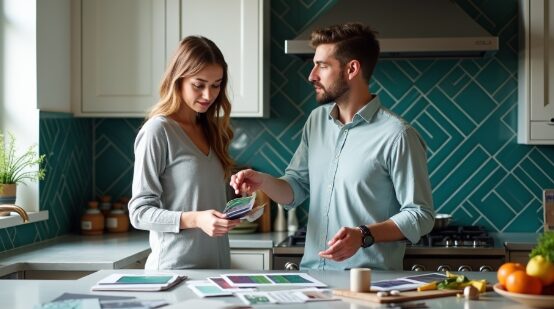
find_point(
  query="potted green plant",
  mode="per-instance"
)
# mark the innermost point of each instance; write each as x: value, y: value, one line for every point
x: 14, y: 169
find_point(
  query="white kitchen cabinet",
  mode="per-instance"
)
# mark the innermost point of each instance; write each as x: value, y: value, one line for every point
x: 536, y: 68
x: 120, y: 50
x: 240, y: 28
x: 119, y: 54
x: 252, y: 259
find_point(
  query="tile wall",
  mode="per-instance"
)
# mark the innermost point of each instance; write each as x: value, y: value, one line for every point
x: 66, y: 142
x: 466, y: 110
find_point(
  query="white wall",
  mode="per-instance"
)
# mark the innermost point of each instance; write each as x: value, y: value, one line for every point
x: 18, y: 83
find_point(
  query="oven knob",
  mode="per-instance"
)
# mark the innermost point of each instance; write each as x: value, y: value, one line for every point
x: 443, y: 268
x: 485, y: 268
x: 291, y: 266
x: 418, y: 267
x: 464, y: 268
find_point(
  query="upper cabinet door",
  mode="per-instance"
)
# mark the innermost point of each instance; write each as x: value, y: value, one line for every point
x: 122, y: 52
x: 536, y: 68
x: 240, y: 29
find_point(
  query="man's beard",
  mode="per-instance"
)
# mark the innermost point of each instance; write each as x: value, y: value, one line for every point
x: 335, y: 91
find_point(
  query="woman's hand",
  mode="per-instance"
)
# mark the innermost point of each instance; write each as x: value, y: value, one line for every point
x: 246, y: 181
x: 213, y: 223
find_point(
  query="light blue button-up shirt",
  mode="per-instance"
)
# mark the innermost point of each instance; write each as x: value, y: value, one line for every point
x: 363, y: 172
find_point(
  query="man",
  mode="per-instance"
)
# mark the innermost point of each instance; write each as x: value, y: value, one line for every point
x: 364, y: 168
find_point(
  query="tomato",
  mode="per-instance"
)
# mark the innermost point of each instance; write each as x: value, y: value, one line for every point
x: 520, y: 282
x: 539, y: 267
x: 506, y: 269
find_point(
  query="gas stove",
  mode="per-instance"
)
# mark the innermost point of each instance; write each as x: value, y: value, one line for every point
x: 457, y: 237
x: 453, y: 248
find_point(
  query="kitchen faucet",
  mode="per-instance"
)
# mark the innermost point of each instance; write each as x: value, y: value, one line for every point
x: 20, y: 211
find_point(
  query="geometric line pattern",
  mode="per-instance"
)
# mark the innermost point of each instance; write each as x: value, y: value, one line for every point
x: 66, y: 142
x: 114, y: 155
x: 465, y: 109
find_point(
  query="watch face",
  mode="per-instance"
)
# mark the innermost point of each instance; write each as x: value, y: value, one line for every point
x: 367, y: 241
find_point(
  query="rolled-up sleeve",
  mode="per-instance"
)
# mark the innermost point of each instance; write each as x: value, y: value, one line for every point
x: 145, y: 206
x: 408, y: 171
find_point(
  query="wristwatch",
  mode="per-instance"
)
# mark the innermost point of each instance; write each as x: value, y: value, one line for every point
x: 367, y: 238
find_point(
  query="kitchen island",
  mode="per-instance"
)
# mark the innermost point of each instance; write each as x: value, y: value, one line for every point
x: 17, y: 294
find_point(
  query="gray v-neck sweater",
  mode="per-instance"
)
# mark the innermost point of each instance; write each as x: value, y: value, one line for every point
x: 171, y: 176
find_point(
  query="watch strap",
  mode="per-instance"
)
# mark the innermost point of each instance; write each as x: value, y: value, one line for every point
x: 365, y: 233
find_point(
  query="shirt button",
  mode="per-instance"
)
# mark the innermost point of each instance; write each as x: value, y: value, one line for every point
x: 337, y: 156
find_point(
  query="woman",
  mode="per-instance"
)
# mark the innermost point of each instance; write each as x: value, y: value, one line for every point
x: 181, y: 163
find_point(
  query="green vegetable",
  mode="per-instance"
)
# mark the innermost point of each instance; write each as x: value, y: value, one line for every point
x: 453, y: 282
x: 545, y: 247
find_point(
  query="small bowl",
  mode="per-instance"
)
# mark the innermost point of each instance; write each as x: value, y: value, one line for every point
x: 535, y: 301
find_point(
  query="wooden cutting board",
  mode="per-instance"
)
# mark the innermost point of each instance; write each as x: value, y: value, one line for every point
x: 403, y: 297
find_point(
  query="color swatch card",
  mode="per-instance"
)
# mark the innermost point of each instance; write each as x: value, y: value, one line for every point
x: 142, y: 282
x: 272, y: 279
x: 207, y: 289
x: 224, y: 285
x: 239, y: 208
x: 286, y: 296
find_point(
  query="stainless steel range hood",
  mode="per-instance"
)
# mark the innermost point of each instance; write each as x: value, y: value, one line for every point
x: 408, y: 29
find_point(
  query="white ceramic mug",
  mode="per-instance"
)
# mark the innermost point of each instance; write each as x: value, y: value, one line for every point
x: 360, y: 279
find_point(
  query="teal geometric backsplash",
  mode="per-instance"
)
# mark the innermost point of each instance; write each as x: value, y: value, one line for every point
x: 66, y: 143
x: 466, y: 110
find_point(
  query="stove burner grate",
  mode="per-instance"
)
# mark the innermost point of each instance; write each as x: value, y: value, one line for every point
x: 458, y: 236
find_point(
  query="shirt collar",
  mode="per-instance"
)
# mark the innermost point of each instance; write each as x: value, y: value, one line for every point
x: 365, y: 113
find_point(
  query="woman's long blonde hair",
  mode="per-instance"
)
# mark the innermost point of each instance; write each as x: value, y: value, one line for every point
x: 192, y: 56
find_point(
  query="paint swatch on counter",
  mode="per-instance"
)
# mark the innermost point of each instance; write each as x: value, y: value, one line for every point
x: 272, y: 279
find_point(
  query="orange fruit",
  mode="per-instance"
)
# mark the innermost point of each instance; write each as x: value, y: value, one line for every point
x: 520, y: 282
x: 506, y: 269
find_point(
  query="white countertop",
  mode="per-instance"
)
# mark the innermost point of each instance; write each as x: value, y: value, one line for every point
x: 16, y: 294
x: 108, y: 251
x: 256, y: 240
x: 78, y: 252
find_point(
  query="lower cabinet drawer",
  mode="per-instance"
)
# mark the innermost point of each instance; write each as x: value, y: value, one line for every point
x: 251, y: 259
x: 521, y: 257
